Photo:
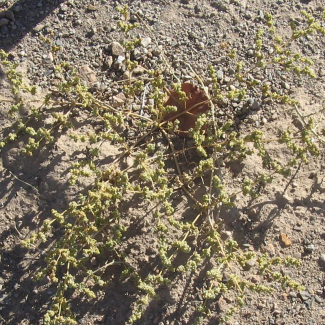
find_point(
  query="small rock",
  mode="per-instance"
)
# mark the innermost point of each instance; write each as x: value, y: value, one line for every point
x: 277, y: 312
x: 138, y: 70
x: 285, y: 240
x: 157, y: 50
x: 248, y: 15
x: 145, y: 41
x: 38, y: 28
x: 286, y: 85
x: 133, y: 18
x: 319, y: 300
x: 59, y: 43
x: 225, y: 277
x: 93, y: 261
x: 127, y: 75
x: 310, y: 248
x: 117, y: 49
x: 120, y: 59
x: 295, y: 184
x: 4, y: 22
x: 87, y: 74
x: 293, y: 294
x: 304, y: 295
x: 10, y: 15
x: 17, y: 8
x: 261, y: 14
x: 226, y: 234
x: 269, y: 248
x: 255, y: 278
x: 219, y: 74
x: 118, y: 64
x: 297, y: 228
x: 197, y: 8
x: 322, y: 258
x: 108, y: 62
x: 201, y: 45
x: 118, y: 100
x: 220, y: 5
x: 264, y: 120
x: 321, y: 72
x: 249, y: 264
x: 287, y: 272
x: 253, y: 104
x: 92, y: 8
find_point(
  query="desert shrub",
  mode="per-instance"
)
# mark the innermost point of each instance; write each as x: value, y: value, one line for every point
x: 176, y: 146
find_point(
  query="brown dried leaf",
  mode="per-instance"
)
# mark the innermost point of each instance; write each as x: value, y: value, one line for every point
x: 187, y: 111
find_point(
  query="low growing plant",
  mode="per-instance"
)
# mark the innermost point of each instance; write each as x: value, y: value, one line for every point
x: 157, y: 170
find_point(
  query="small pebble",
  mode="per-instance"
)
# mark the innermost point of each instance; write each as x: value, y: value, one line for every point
x: 117, y: 49
x: 133, y: 18
x: 92, y: 8
x: 108, y: 61
x: 201, y: 45
x: 219, y: 74
x: 249, y: 264
x: 157, y: 50
x: 38, y: 28
x: 264, y: 120
x: 4, y: 22
x: 297, y: 228
x: 319, y: 300
x: 127, y: 75
x: 145, y: 41
x: 10, y: 15
x: 253, y: 103
x: 118, y: 100
x: 293, y: 294
x: 304, y: 295
x: 197, y: 9
x: 322, y: 258
x: 261, y: 14
x: 220, y: 5
x: 285, y: 240
x: 286, y: 85
x: 310, y: 248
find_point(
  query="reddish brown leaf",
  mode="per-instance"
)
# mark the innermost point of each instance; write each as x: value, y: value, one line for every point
x: 187, y: 111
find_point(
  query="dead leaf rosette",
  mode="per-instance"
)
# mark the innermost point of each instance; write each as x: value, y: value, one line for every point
x: 196, y: 103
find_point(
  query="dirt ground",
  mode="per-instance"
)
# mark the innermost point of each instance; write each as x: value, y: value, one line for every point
x: 192, y: 31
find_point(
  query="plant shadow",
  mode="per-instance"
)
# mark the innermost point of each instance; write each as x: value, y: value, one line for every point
x: 26, y: 15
